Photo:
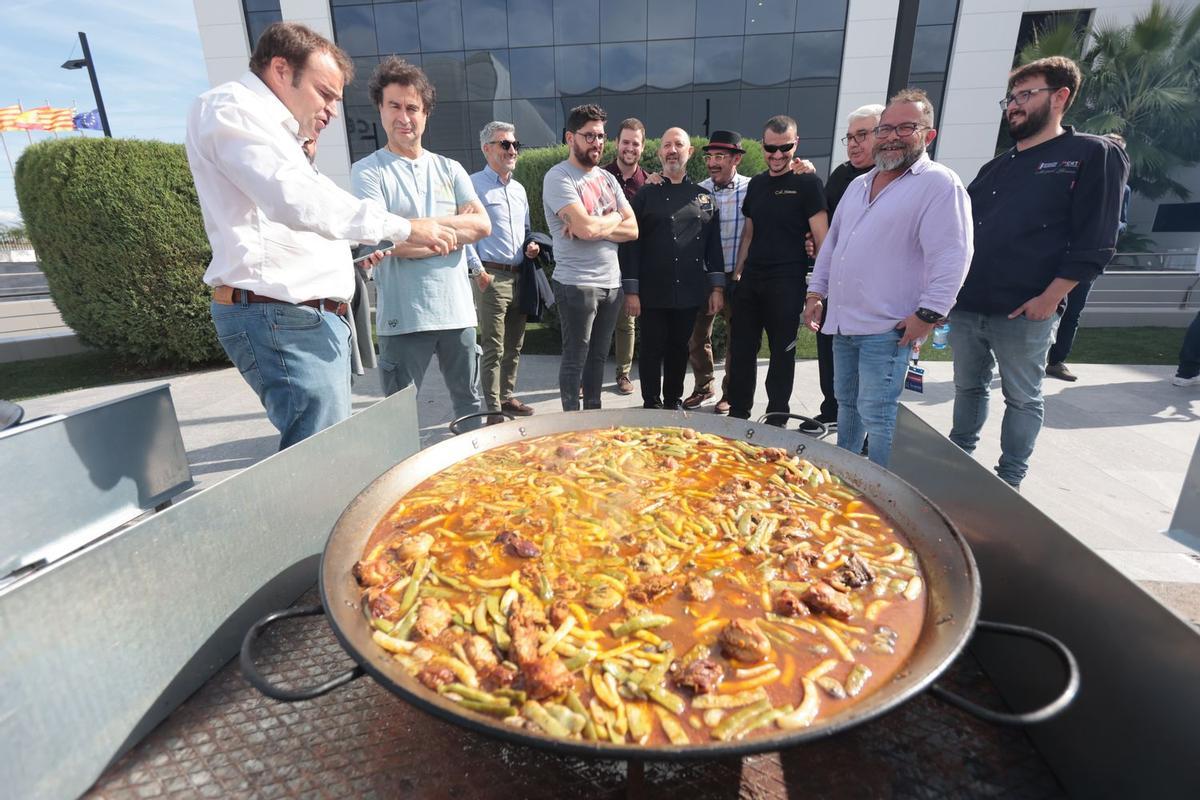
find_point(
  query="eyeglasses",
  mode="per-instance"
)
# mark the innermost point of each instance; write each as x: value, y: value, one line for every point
x: 1022, y: 97
x: 857, y: 138
x: 508, y: 145
x: 779, y: 148
x: 591, y: 138
x: 903, y: 130
x: 716, y: 156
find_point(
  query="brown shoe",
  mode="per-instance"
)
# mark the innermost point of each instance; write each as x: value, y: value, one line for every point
x: 515, y: 407
x: 697, y: 399
x: 496, y: 419
x: 624, y: 385
x: 722, y: 406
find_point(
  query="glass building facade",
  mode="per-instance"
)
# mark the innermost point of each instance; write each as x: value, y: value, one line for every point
x: 699, y: 64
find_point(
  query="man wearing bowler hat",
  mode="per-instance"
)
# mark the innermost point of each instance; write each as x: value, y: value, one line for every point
x: 722, y: 155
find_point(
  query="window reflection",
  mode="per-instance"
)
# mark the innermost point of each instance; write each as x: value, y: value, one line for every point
x: 537, y: 120
x: 771, y: 16
x: 576, y: 21
x: 441, y: 25
x: 488, y: 75
x: 354, y: 28
x: 816, y: 57
x: 759, y: 105
x: 814, y: 109
x: 530, y: 22
x: 577, y: 69
x: 931, y: 49
x: 448, y: 74
x: 623, y: 66
x: 669, y: 64
x: 447, y: 127
x: 937, y: 12
x: 768, y: 60
x: 257, y: 22
x: 532, y: 71
x: 721, y: 108
x: 396, y: 28
x: 720, y: 17
x: 485, y: 23
x: 827, y: 15
x: 719, y: 61
x: 625, y: 20
x: 670, y: 20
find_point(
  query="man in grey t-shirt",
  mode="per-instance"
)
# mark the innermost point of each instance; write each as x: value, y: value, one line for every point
x: 588, y: 216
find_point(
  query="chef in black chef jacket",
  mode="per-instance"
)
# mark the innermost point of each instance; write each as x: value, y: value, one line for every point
x: 673, y: 268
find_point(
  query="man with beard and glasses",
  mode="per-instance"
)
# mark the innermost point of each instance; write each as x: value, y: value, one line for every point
x: 673, y: 268
x: 424, y: 304
x: 780, y: 208
x: 860, y: 143
x: 627, y: 169
x: 894, y: 259
x: 1046, y: 217
x: 281, y: 269
x: 588, y: 216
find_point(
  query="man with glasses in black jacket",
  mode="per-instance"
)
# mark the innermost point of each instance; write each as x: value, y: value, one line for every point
x: 1045, y: 217
x: 781, y: 208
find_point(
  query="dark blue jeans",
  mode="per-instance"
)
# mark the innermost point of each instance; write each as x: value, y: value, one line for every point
x: 1189, y: 354
x: 1068, y: 324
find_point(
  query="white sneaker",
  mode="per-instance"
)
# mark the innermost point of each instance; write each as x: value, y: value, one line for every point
x: 1181, y: 381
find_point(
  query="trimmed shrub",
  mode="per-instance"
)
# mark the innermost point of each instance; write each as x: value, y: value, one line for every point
x: 117, y: 228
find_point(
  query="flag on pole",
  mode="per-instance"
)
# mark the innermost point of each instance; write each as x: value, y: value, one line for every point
x: 60, y: 119
x: 88, y: 121
x: 33, y: 119
x: 8, y: 117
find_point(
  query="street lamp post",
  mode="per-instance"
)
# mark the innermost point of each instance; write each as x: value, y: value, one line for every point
x: 86, y: 61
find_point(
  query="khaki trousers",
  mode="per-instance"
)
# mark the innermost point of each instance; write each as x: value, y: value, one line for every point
x: 501, y: 333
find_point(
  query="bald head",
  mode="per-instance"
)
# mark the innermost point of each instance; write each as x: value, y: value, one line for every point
x: 674, y: 151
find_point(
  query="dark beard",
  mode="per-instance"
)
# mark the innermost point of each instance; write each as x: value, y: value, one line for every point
x: 1033, y: 124
x: 584, y: 156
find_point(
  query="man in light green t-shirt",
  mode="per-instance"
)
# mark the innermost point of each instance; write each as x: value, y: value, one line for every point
x: 424, y: 303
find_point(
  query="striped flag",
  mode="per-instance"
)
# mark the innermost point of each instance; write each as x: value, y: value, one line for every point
x: 60, y: 119
x: 33, y: 119
x: 8, y: 118
x: 88, y: 121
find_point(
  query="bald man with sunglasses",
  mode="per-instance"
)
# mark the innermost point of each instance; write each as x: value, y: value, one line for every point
x: 781, y: 208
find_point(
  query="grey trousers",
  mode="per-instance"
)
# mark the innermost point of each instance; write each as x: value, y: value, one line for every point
x: 588, y: 316
x: 404, y: 358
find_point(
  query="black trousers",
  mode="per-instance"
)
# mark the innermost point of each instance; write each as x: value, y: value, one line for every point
x: 829, y: 405
x: 663, y: 354
x: 1069, y: 324
x: 773, y: 303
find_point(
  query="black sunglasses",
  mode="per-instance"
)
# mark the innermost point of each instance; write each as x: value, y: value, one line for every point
x: 507, y: 145
x: 779, y: 148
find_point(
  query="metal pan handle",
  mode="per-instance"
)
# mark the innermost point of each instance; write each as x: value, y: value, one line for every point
x: 1042, y: 714
x: 824, y: 428
x: 455, y: 426
x: 260, y: 682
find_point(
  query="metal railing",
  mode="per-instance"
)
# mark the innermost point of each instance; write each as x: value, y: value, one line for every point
x: 1168, y: 261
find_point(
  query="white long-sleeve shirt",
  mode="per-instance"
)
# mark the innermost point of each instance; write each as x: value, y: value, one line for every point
x: 277, y: 226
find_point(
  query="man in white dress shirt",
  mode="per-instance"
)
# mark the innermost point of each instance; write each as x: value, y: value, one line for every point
x: 281, y: 271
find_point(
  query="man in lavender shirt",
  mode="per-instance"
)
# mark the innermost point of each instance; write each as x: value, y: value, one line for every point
x: 890, y: 274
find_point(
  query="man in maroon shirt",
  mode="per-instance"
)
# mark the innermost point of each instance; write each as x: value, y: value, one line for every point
x: 631, y: 140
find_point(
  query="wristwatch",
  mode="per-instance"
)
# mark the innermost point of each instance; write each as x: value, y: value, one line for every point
x: 927, y: 315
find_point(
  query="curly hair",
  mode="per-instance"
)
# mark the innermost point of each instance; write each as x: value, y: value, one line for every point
x: 397, y: 70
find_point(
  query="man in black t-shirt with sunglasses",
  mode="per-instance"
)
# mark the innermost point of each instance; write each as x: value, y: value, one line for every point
x: 780, y: 208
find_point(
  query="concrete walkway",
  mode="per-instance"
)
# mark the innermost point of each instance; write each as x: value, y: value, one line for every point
x: 1109, y: 463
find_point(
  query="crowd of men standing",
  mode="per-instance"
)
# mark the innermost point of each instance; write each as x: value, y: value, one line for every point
x: 908, y: 247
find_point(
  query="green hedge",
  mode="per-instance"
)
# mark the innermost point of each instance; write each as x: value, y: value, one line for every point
x: 534, y: 163
x: 117, y: 228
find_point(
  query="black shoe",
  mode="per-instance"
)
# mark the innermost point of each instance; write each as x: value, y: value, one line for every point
x: 1061, y: 372
x: 652, y: 404
x: 812, y: 429
x: 673, y: 405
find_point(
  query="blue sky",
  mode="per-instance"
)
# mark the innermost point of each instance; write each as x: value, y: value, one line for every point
x: 147, y: 55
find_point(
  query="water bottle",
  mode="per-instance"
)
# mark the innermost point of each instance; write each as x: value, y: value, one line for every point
x: 941, y: 334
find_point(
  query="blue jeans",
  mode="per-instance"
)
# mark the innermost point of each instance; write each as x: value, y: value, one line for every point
x: 868, y: 376
x: 1018, y: 346
x: 588, y: 316
x: 1189, y: 353
x: 295, y: 358
x: 404, y: 358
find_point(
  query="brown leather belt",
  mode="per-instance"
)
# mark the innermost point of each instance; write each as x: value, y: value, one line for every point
x: 495, y: 265
x: 227, y: 295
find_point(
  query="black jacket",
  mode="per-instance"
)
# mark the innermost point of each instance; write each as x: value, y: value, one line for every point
x: 677, y: 257
x: 529, y: 300
x: 1047, y: 212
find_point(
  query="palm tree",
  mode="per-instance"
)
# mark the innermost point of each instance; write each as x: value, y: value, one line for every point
x: 1141, y: 81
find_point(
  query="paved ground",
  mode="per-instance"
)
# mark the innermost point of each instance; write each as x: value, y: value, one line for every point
x: 1109, y: 464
